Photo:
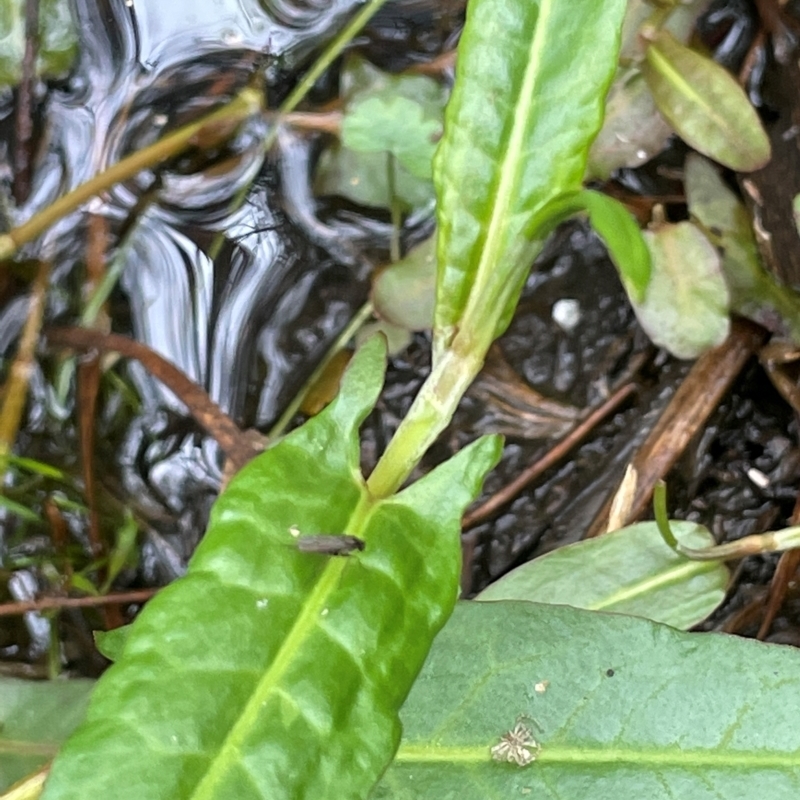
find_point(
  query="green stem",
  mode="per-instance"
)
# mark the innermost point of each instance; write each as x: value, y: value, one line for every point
x: 662, y: 518
x: 331, y: 53
x: 429, y: 415
x: 244, y: 105
x: 358, y: 320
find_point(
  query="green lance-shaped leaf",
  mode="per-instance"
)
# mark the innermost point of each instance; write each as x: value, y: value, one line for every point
x: 270, y: 672
x: 619, y: 707
x: 704, y: 104
x: 630, y: 571
x: 527, y: 102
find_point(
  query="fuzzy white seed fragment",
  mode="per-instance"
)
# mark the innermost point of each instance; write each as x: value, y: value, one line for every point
x: 517, y: 746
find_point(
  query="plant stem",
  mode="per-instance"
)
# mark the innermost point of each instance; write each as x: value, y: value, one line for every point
x: 219, y: 124
x: 22, y: 368
x: 355, y: 324
x: 332, y: 52
x: 429, y: 415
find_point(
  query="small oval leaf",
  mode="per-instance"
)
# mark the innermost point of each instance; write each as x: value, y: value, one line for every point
x: 685, y: 309
x: 404, y: 292
x: 705, y: 105
x: 389, y: 123
x: 626, y: 245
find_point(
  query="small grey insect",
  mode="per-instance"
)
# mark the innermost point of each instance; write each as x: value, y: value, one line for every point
x: 330, y: 544
x: 517, y: 746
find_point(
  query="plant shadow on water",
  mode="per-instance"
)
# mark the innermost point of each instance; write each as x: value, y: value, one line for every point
x: 251, y: 324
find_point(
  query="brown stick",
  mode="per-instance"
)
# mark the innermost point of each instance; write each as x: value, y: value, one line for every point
x: 237, y: 445
x: 699, y: 394
x: 555, y: 454
x: 24, y: 114
x: 54, y: 603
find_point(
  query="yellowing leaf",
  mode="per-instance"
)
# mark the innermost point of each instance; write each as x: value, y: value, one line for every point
x: 705, y: 105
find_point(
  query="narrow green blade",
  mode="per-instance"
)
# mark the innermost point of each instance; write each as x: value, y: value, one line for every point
x: 528, y: 100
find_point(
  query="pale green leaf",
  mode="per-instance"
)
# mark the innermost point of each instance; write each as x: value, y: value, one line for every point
x: 363, y: 178
x: 685, y: 309
x: 35, y: 717
x: 384, y: 114
x: 704, y: 104
x: 622, y: 708
x: 755, y: 293
x: 633, y: 132
x: 269, y: 672
x: 389, y: 123
x: 630, y: 571
x: 527, y: 102
x: 403, y: 293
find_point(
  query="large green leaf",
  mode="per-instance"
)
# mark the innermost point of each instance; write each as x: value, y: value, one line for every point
x: 270, y: 672
x: 705, y: 104
x: 622, y: 708
x: 630, y: 571
x: 527, y: 102
x: 35, y: 717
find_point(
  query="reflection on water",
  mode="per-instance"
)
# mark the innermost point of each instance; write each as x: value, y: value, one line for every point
x: 239, y: 324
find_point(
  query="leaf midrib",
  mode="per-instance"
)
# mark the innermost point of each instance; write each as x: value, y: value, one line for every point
x: 665, y: 577
x: 595, y: 755
x: 305, y: 623
x: 680, y: 84
x: 492, y: 250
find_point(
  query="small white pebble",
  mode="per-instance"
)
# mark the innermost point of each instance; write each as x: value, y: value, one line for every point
x: 567, y: 314
x: 758, y: 478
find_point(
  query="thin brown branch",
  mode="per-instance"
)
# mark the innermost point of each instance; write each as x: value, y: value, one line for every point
x: 700, y: 393
x: 553, y: 456
x: 237, y: 445
x: 57, y: 603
